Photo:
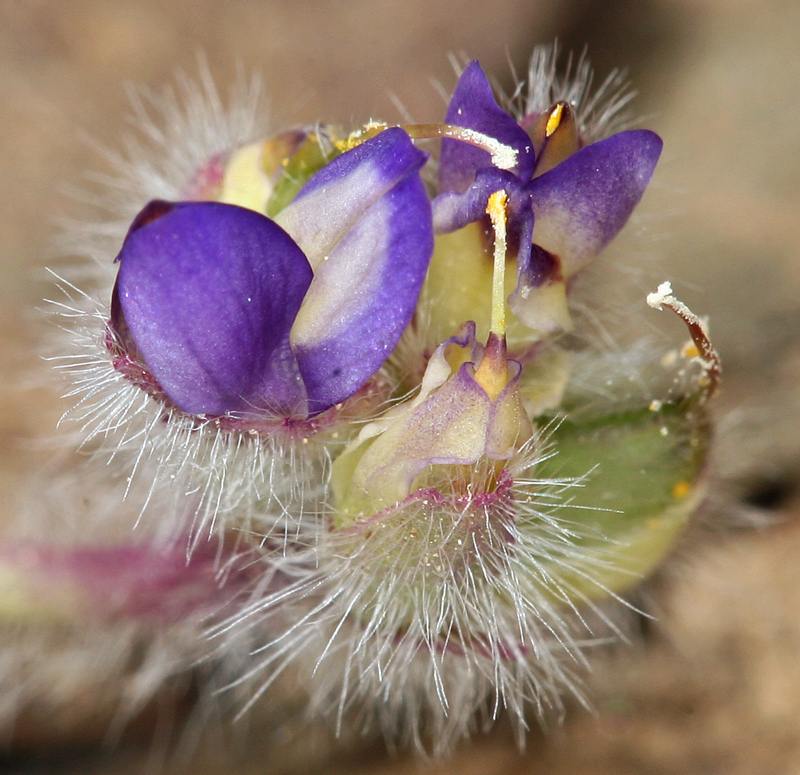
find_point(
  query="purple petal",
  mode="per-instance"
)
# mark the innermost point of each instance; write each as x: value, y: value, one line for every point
x: 581, y: 204
x: 337, y: 196
x: 209, y: 292
x: 448, y: 428
x: 473, y: 106
x: 364, y: 295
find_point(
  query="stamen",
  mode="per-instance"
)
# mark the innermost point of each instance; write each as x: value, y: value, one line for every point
x: 708, y: 355
x: 504, y: 157
x: 492, y: 371
x: 496, y: 210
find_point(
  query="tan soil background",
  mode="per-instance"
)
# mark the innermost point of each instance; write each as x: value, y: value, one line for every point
x: 715, y: 685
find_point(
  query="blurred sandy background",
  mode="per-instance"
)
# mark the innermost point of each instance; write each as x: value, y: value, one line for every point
x: 715, y: 687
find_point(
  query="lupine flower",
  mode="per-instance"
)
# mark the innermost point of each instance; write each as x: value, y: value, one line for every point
x: 314, y: 348
x: 231, y: 315
x: 567, y: 201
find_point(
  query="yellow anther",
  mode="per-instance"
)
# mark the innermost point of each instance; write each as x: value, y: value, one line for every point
x: 359, y: 136
x: 554, y: 120
x: 496, y: 206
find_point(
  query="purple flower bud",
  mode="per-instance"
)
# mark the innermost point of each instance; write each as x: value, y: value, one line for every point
x: 453, y: 422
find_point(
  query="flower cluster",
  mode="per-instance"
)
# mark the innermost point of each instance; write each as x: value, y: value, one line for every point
x: 348, y: 363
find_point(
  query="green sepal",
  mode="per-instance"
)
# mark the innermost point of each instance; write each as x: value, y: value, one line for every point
x: 640, y: 477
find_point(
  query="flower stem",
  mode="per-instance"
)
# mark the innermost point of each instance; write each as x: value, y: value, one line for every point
x: 504, y: 157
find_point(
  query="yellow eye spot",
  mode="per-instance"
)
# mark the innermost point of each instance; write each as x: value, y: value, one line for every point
x: 681, y: 489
